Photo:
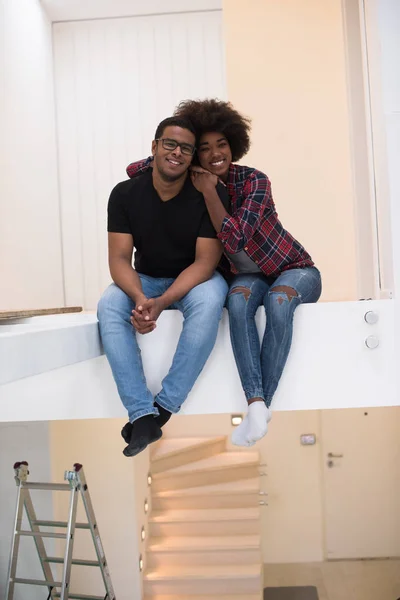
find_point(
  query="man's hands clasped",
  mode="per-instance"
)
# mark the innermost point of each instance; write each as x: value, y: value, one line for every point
x: 146, y: 313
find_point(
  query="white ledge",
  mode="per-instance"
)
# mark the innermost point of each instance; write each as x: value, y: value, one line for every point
x: 35, y: 345
x: 52, y: 368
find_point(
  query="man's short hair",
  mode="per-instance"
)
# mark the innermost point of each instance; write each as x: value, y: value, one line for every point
x: 173, y: 122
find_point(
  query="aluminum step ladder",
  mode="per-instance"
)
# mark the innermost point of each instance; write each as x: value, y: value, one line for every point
x: 76, y: 486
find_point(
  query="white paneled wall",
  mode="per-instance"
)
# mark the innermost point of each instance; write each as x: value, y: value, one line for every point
x: 30, y: 247
x: 115, y: 80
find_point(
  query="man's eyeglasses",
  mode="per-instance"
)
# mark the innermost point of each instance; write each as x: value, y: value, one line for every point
x: 169, y: 144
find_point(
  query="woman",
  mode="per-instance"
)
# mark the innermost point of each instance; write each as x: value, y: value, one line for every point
x: 266, y: 265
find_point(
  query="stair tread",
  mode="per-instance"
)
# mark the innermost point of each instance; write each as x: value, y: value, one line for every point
x: 209, y: 597
x: 242, y: 486
x: 175, y: 445
x: 223, y: 459
x: 234, y: 542
x: 204, y: 514
x: 203, y: 571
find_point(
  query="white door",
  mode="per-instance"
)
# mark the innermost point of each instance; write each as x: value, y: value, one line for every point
x: 361, y: 468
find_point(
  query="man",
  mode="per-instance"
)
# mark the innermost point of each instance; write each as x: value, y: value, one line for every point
x: 165, y: 219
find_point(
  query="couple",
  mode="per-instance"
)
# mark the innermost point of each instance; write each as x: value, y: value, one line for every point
x: 180, y: 218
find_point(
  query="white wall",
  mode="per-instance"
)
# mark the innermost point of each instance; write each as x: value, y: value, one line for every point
x: 30, y: 246
x: 367, y: 273
x: 30, y: 442
x: 116, y: 79
x: 382, y: 27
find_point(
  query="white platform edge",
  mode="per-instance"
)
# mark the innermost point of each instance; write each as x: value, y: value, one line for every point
x: 329, y: 367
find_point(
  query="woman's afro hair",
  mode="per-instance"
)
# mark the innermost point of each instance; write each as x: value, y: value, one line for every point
x: 216, y: 115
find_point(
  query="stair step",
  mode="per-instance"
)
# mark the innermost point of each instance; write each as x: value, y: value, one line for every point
x: 243, y: 486
x: 232, y: 494
x: 222, y: 467
x: 208, y: 597
x: 171, y: 453
x: 205, y: 580
x: 203, y: 550
x: 190, y: 544
x: 211, y: 549
x: 205, y: 522
x: 219, y: 461
x: 179, y: 573
x: 167, y: 447
x: 203, y: 515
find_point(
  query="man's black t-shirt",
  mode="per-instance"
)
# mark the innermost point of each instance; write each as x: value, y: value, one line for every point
x: 164, y: 233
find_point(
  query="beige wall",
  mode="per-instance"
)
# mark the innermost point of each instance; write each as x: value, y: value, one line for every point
x: 117, y: 486
x: 292, y: 523
x: 286, y: 69
x: 315, y: 511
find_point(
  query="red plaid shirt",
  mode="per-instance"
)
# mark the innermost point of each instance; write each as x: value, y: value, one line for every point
x: 253, y: 225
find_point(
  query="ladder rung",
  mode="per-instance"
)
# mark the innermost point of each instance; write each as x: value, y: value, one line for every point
x: 39, y: 582
x: 75, y: 561
x: 41, y: 534
x: 60, y: 524
x: 82, y: 597
x: 60, y: 487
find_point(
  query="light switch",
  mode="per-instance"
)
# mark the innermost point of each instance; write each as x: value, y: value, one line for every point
x: 308, y: 439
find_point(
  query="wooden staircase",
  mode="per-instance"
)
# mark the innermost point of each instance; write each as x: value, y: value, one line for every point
x: 205, y: 522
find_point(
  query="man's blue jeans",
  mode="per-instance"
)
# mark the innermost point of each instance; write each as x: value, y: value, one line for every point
x: 202, y: 310
x: 260, y: 372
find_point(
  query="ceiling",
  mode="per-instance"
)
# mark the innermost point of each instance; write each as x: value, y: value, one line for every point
x: 75, y: 10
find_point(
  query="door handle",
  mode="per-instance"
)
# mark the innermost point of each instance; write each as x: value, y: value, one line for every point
x: 331, y: 455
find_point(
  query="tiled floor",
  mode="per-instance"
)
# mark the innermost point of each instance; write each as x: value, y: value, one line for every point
x: 342, y: 580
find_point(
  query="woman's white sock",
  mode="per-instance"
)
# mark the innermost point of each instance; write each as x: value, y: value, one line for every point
x: 254, y: 425
x: 239, y: 435
x: 258, y: 418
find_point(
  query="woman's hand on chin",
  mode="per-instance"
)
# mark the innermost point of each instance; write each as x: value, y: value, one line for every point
x: 202, y: 179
